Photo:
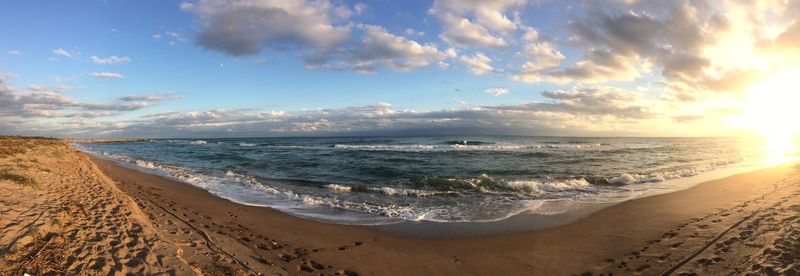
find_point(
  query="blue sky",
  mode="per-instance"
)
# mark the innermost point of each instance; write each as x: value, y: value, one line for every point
x: 210, y: 67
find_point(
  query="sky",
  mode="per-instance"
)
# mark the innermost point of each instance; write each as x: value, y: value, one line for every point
x: 244, y: 68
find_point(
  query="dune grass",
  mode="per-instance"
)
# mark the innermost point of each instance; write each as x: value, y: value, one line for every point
x: 19, y: 179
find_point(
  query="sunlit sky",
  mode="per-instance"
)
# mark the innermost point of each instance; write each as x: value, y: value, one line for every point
x: 215, y: 68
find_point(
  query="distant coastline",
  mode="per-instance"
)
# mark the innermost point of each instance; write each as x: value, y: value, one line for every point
x: 117, y: 140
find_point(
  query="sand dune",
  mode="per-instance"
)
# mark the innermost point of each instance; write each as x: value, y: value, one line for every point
x: 60, y: 214
x: 62, y: 211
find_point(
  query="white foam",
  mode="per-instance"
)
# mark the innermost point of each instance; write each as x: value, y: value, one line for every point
x: 542, y: 187
x: 339, y: 188
x: 387, y: 190
x: 145, y: 164
x: 199, y: 142
x: 559, y: 146
x: 529, y: 194
x: 460, y: 147
x: 382, y: 147
x: 404, y: 192
x: 634, y: 178
x: 246, y: 144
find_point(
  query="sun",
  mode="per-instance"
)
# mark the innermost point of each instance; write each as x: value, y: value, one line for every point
x: 773, y: 110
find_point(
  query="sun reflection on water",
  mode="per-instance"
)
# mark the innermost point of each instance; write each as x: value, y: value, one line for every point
x: 773, y: 111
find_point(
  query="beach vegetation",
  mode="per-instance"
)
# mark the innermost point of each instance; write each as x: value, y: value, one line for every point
x: 19, y: 179
x: 44, y: 256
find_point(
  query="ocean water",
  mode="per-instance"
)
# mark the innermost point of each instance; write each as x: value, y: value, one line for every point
x: 380, y: 180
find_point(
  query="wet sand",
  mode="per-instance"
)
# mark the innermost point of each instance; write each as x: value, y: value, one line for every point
x: 747, y: 223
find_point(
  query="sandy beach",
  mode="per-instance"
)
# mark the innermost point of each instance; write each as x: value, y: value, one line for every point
x: 63, y: 211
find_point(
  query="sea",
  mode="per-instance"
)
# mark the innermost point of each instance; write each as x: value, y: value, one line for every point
x: 386, y: 180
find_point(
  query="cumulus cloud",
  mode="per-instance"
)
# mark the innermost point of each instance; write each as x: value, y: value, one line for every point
x: 790, y: 38
x: 598, y: 65
x: 680, y: 51
x: 149, y: 98
x: 172, y: 37
x: 106, y: 75
x: 244, y: 27
x: 590, y: 101
x: 581, y: 110
x: 695, y: 46
x: 538, y: 57
x: 42, y: 102
x: 412, y: 32
x: 318, y: 30
x: 110, y: 60
x: 476, y: 23
x: 65, y: 53
x: 478, y: 64
x: 587, y: 110
x: 496, y: 91
x: 462, y: 32
x: 531, y: 35
x: 377, y: 46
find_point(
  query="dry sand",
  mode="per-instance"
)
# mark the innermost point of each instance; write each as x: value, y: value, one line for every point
x: 65, y: 213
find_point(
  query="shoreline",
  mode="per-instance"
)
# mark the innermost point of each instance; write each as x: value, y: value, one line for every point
x: 616, y: 231
x: 63, y: 212
x: 532, y: 220
x: 557, y: 212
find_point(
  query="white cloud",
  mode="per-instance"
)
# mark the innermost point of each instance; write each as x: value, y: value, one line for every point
x: 538, y: 58
x: 380, y: 46
x: 478, y: 64
x: 65, y: 53
x: 476, y: 23
x: 106, y: 75
x: 39, y: 101
x: 590, y: 101
x: 496, y: 91
x: 589, y: 110
x: 318, y: 31
x: 244, y: 27
x: 110, y: 60
x: 171, y: 37
x: 14, y: 52
x: 176, y: 36
x: 360, y: 8
x: 531, y: 35
x: 412, y: 32
x: 464, y: 33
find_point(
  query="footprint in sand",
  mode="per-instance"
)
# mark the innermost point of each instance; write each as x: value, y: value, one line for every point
x: 310, y: 266
x: 669, y: 235
x: 346, y: 273
x: 345, y: 247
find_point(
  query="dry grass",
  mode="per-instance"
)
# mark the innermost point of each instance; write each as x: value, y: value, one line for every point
x: 19, y: 179
x: 45, y: 256
x: 13, y: 145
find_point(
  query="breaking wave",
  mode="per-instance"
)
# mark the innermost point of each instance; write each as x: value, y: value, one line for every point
x: 436, y: 179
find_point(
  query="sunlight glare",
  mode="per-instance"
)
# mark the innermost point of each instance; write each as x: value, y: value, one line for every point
x: 773, y: 110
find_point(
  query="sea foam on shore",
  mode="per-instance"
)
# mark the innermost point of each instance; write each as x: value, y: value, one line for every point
x: 441, y: 179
